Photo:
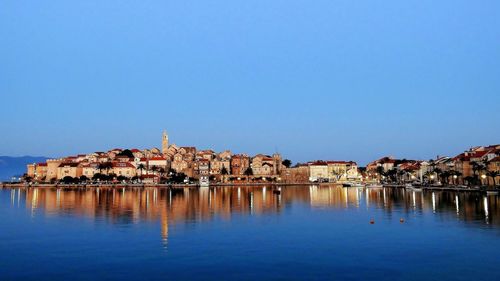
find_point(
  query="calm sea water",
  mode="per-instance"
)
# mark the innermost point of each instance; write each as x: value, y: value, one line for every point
x: 311, y: 233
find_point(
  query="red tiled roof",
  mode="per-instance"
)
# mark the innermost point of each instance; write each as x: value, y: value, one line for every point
x: 149, y: 176
x: 157, y: 158
x: 42, y: 164
x: 68, y: 164
x: 122, y: 165
x: 496, y: 159
x: 90, y: 165
x: 479, y: 154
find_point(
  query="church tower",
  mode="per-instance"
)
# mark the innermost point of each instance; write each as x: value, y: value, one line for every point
x: 164, y: 143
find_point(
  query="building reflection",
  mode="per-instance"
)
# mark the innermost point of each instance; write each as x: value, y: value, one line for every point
x: 176, y: 206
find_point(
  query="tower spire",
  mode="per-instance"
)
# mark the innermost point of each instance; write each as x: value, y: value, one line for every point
x: 164, y: 143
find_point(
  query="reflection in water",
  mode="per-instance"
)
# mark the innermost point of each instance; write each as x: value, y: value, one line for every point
x: 132, y: 205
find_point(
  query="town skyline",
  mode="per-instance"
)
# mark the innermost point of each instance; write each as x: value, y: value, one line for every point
x: 304, y: 159
x: 177, y: 164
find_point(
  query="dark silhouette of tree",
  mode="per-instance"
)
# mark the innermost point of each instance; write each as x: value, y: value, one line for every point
x: 122, y: 178
x: 493, y: 175
x: 105, y: 166
x: 126, y: 153
x: 68, y: 180
x: 154, y: 169
x: 248, y: 172
x: 224, y: 171
x: 83, y: 178
x: 141, y: 168
x: 287, y: 163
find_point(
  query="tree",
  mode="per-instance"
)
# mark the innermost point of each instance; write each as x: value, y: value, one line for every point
x: 428, y: 175
x: 445, y: 176
x: 470, y: 180
x: 27, y: 178
x: 154, y: 169
x: 392, y: 174
x: 97, y: 177
x: 477, y: 167
x: 400, y: 175
x: 141, y: 168
x: 68, y: 180
x: 224, y: 171
x: 287, y: 163
x: 105, y: 166
x: 84, y: 178
x: 458, y: 174
x: 126, y: 153
x: 161, y: 171
x: 248, y: 172
x: 122, y: 178
x: 380, y: 171
x: 493, y: 175
x: 177, y: 177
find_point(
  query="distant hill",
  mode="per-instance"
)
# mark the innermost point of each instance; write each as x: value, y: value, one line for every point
x: 16, y: 166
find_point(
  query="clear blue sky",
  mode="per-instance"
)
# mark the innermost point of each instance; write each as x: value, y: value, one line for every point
x: 351, y: 80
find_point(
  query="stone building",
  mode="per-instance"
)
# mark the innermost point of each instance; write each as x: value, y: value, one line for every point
x: 52, y: 167
x: 239, y: 164
x: 298, y: 174
x: 125, y: 169
x: 69, y: 169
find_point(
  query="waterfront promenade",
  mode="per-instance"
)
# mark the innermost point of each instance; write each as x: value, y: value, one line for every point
x: 482, y: 189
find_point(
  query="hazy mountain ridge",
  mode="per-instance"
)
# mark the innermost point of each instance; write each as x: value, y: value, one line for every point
x: 16, y: 166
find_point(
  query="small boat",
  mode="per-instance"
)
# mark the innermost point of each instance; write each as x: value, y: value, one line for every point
x: 352, y: 184
x: 492, y: 192
x: 413, y: 187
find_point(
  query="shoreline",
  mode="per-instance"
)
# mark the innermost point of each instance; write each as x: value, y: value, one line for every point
x: 197, y: 186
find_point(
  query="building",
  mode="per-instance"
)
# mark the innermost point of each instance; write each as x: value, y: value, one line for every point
x: 69, y: 169
x: 297, y: 174
x: 90, y: 169
x: 52, y: 168
x: 125, y: 169
x: 318, y: 171
x: 239, y: 164
x: 204, y: 171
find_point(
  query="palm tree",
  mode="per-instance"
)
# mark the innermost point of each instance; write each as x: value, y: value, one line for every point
x: 437, y: 172
x: 161, y: 171
x: 493, y: 175
x: 154, y: 169
x: 141, y: 167
x: 105, y: 166
x: 458, y: 174
x: 408, y: 173
x: 445, y: 176
x: 224, y: 172
x: 380, y: 170
x: 476, y: 167
x: 453, y: 175
x: 429, y: 176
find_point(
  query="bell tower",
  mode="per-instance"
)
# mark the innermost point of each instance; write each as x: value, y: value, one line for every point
x: 164, y: 143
